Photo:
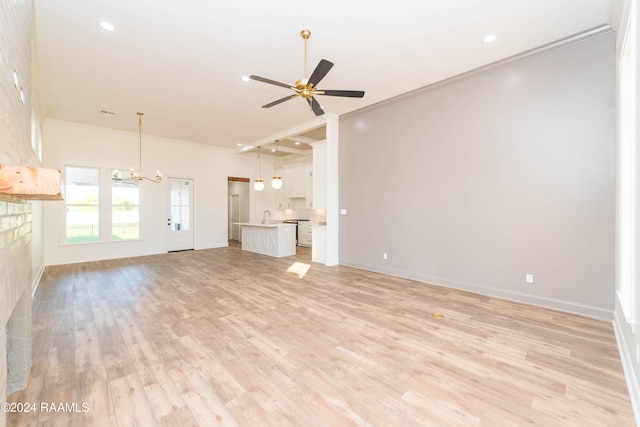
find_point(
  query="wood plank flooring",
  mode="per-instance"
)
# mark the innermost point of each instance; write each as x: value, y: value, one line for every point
x: 231, y: 338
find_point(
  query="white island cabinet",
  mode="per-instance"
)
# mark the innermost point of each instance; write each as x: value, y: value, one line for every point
x: 276, y: 240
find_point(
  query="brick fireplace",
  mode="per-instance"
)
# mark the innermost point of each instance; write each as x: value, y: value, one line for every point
x: 19, y: 346
x: 16, y: 277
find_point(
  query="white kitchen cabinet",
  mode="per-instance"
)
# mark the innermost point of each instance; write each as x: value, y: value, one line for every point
x: 308, y: 187
x: 305, y: 234
x: 281, y: 201
x: 294, y: 181
x: 319, y: 249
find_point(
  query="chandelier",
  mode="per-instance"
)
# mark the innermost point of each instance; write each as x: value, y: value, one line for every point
x: 134, y: 175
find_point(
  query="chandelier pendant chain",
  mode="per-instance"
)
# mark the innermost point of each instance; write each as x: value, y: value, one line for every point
x: 137, y: 176
x: 140, y: 141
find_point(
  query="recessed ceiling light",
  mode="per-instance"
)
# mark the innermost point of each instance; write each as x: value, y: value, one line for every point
x: 490, y: 38
x: 16, y: 83
x: 245, y: 78
x: 107, y: 26
x: 239, y: 144
x: 297, y: 143
x: 22, y: 96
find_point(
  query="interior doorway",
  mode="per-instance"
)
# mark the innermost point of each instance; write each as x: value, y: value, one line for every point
x: 238, y: 196
x: 234, y: 216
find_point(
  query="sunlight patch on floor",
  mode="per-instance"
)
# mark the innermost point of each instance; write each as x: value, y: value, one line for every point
x: 299, y: 268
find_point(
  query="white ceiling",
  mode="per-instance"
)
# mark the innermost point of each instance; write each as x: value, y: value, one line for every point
x: 181, y: 62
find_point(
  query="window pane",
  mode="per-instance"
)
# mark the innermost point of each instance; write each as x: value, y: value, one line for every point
x: 82, y: 224
x: 185, y: 218
x: 180, y: 205
x: 82, y: 186
x: 81, y: 198
x: 125, y: 223
x: 176, y: 223
x: 125, y: 207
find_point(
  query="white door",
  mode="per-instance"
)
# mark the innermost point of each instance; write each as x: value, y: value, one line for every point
x: 234, y: 216
x: 180, y: 221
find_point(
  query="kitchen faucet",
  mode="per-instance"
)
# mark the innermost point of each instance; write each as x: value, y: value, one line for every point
x: 264, y: 215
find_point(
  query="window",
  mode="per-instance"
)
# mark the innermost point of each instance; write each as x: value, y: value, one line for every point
x: 83, y: 205
x: 125, y: 208
x: 101, y: 205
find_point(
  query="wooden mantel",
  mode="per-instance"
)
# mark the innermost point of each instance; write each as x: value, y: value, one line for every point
x: 30, y: 183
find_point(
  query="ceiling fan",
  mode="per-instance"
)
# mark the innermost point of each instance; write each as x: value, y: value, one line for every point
x: 306, y: 87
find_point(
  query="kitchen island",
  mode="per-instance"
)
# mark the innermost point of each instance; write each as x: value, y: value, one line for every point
x: 276, y: 240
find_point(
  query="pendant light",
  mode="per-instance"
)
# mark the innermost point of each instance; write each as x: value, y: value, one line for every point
x: 136, y: 176
x: 258, y: 184
x: 276, y: 181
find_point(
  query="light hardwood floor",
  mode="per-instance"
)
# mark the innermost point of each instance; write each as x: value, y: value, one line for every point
x: 226, y: 337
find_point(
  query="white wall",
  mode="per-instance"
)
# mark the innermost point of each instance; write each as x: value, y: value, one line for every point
x: 71, y: 143
x: 478, y: 181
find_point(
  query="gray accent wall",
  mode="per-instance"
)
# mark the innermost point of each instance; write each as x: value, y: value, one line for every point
x: 503, y: 172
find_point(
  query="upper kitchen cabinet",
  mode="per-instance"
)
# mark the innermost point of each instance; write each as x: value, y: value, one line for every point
x: 308, y: 186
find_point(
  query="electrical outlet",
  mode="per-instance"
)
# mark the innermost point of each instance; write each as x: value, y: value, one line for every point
x: 528, y: 278
x: 384, y: 255
x: 343, y: 211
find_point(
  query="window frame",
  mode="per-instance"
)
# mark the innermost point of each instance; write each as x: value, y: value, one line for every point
x: 105, y: 205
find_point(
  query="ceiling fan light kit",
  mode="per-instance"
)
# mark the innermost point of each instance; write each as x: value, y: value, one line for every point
x: 307, y: 87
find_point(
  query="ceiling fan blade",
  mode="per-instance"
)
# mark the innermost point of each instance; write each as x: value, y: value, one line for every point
x: 317, y: 109
x: 279, y: 101
x: 321, y: 70
x: 269, y: 81
x: 347, y: 93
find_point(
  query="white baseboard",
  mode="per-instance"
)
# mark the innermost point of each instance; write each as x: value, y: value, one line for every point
x: 628, y: 366
x: 36, y: 281
x: 211, y: 245
x: 554, y: 304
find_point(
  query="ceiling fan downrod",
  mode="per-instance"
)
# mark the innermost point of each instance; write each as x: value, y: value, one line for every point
x: 305, y: 35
